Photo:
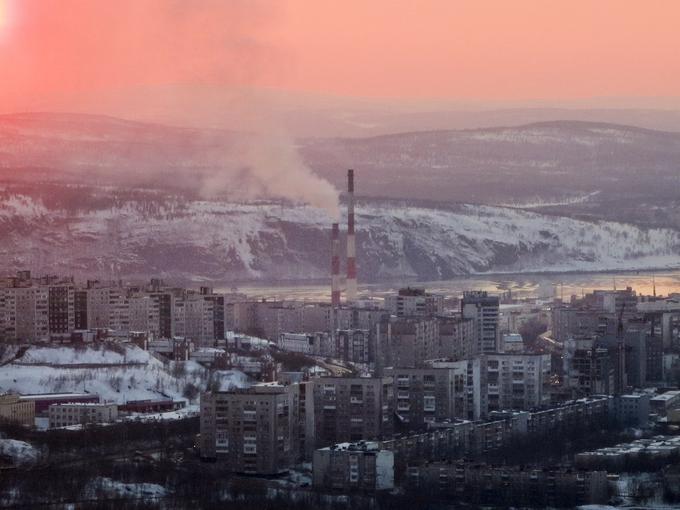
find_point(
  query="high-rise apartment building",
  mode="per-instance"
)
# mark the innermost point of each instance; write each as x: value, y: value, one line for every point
x: 514, y: 381
x: 352, y: 409
x: 61, y: 308
x: 484, y: 309
x: 253, y: 430
x: 428, y: 395
x: 407, y: 341
x: 457, y: 338
x: 354, y: 345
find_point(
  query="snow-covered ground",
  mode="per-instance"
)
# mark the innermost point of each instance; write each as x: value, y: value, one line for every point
x: 20, y: 452
x: 107, y: 487
x: 98, y: 354
x: 114, y: 380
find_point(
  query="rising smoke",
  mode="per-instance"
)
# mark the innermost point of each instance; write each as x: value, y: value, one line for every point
x: 127, y: 58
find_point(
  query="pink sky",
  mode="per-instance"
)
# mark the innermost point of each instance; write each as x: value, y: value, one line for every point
x: 54, y: 51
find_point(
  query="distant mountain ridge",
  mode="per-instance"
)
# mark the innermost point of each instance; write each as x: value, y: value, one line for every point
x: 546, y: 161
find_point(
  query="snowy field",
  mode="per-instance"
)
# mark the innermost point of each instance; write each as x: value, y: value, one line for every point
x: 115, y: 380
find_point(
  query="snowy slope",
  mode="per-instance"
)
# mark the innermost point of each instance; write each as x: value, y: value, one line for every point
x: 218, y: 241
x: 98, y: 354
x: 115, y: 380
x: 20, y: 452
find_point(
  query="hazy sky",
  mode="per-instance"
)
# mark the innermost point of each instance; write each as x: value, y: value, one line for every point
x: 59, y: 53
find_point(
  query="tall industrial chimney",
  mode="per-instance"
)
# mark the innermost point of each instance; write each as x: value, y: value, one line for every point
x: 335, y: 265
x: 351, y: 242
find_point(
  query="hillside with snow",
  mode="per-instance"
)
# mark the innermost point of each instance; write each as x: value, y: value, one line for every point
x: 116, y: 372
x: 192, y: 240
x: 101, y: 197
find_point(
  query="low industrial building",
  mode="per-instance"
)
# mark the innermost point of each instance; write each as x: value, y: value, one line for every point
x: 65, y: 415
x: 43, y: 401
x: 151, y: 406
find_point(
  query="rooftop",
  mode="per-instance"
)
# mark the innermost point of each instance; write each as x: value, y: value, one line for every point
x: 669, y: 395
x: 361, y: 446
x: 47, y: 396
x: 83, y: 404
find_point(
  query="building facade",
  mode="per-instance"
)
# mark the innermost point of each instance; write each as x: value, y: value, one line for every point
x: 484, y: 310
x: 15, y: 410
x: 64, y: 415
x: 351, y: 409
x: 253, y: 430
x: 353, y: 467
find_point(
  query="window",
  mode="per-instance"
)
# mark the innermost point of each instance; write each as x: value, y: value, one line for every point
x: 429, y: 404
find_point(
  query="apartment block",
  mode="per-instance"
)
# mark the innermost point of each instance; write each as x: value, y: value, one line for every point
x: 199, y: 319
x: 457, y: 338
x: 632, y: 410
x: 515, y: 381
x: 509, y: 485
x: 407, y: 341
x: 353, y: 467
x: 503, y: 381
x: 428, y: 395
x: 351, y: 409
x: 61, y: 308
x: 410, y: 302
x: 253, y: 430
x: 354, y: 345
x: 484, y: 310
x: 587, y: 369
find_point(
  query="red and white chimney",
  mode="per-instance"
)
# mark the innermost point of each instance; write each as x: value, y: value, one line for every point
x: 351, y: 282
x: 335, y: 265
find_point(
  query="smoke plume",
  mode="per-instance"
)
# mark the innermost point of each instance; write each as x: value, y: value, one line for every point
x: 154, y: 60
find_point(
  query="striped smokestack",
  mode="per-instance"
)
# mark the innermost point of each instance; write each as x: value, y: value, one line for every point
x: 335, y: 265
x: 351, y: 242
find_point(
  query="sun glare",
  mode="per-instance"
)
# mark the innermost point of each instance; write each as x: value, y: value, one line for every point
x: 3, y: 14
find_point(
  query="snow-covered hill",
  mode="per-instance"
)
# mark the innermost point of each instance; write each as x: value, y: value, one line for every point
x: 117, y: 373
x: 202, y: 240
x: 19, y: 453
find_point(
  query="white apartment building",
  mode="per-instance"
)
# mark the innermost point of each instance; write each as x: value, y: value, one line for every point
x: 515, y: 381
x: 298, y: 342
